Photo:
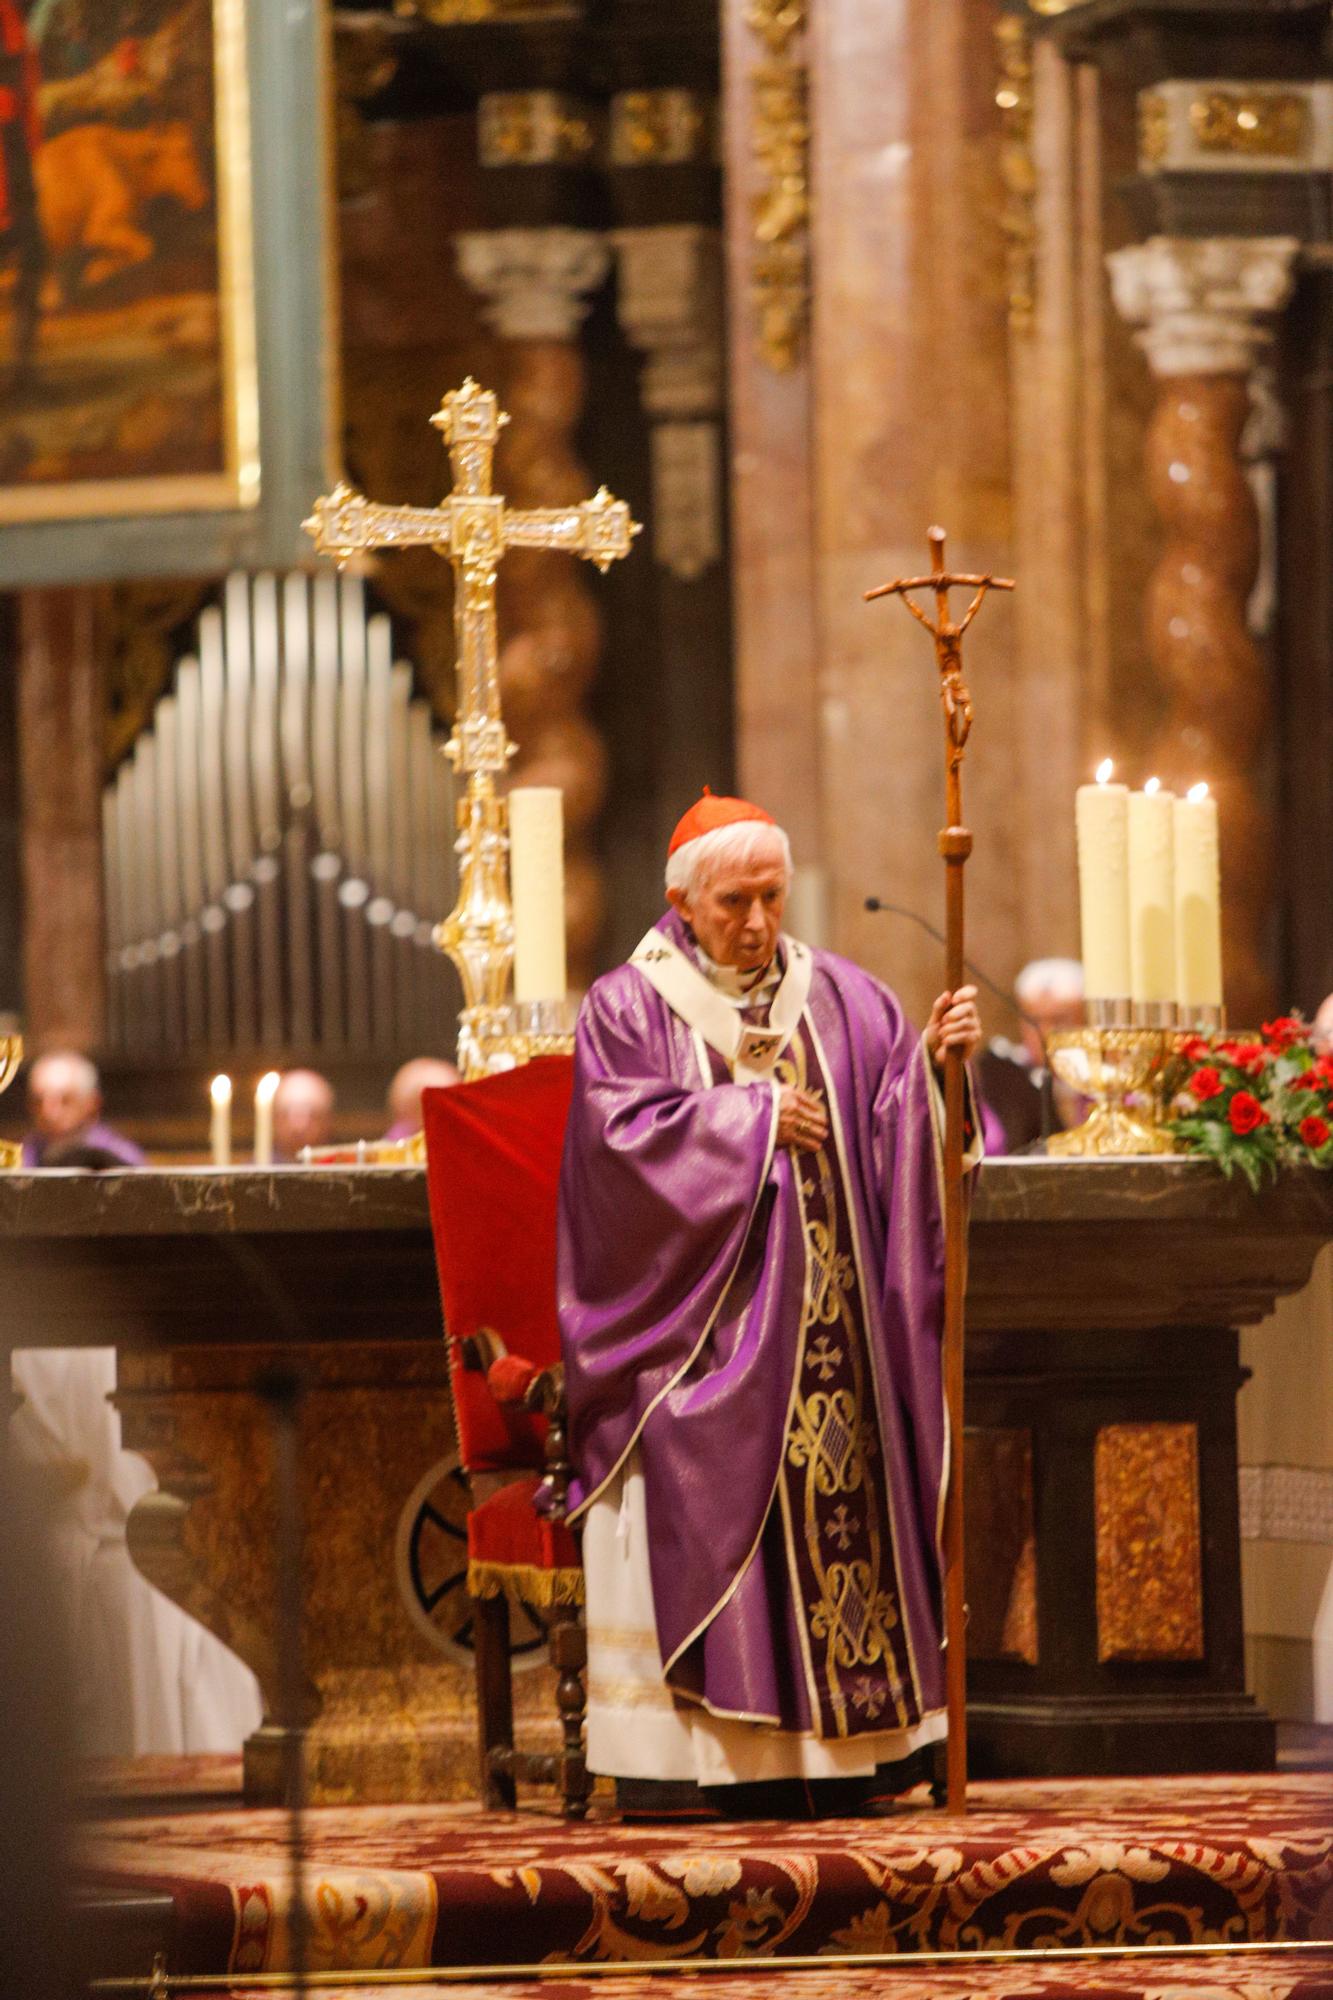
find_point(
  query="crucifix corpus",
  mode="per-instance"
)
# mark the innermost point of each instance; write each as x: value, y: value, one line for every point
x: 955, y: 843
x: 472, y: 529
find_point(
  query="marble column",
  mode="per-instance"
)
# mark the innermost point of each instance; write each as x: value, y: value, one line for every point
x: 771, y: 465
x: 910, y: 386
x: 1204, y: 308
x: 60, y: 728
x: 536, y: 286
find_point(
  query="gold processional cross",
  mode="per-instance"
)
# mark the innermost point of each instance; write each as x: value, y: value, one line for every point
x: 472, y: 529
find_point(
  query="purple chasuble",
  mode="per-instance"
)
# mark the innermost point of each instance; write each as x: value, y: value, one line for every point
x: 764, y: 1326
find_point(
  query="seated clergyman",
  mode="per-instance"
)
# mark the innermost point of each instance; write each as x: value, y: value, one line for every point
x: 750, y: 1291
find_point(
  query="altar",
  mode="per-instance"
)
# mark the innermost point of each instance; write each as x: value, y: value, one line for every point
x: 1104, y: 1300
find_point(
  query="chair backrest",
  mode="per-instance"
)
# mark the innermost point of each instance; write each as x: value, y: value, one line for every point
x: 493, y: 1167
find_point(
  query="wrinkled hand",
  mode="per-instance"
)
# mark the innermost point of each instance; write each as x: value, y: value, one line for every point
x: 954, y: 1024
x: 802, y: 1120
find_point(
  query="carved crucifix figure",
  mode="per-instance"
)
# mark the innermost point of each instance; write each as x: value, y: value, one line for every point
x: 472, y: 529
x: 955, y: 842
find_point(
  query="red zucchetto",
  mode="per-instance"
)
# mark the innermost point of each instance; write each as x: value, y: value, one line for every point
x: 707, y: 814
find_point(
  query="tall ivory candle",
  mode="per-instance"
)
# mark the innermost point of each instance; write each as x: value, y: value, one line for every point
x: 1198, y: 901
x: 537, y: 886
x: 219, y: 1090
x: 1101, y: 817
x: 1152, y: 899
x: 265, y: 1092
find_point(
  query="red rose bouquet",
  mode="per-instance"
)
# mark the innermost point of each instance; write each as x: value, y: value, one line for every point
x: 1253, y: 1103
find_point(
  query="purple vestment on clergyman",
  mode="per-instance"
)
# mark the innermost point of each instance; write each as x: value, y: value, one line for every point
x: 690, y: 1311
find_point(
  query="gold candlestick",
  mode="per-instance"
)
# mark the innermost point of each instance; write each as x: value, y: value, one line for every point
x: 11, y: 1055
x: 472, y: 529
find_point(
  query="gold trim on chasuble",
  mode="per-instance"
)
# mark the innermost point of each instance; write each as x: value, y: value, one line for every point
x: 833, y: 1508
x: 834, y: 1500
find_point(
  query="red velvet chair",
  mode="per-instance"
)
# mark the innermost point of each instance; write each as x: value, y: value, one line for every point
x: 492, y: 1165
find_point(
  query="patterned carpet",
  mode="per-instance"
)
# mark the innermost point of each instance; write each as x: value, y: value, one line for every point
x: 1178, y: 1861
x: 1250, y: 1977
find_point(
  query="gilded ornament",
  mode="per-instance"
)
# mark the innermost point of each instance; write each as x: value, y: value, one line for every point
x: 1252, y: 123
x: 533, y: 128
x: 1153, y: 128
x: 781, y: 207
x: 1013, y: 95
x: 653, y: 128
x: 473, y: 529
x: 473, y: 13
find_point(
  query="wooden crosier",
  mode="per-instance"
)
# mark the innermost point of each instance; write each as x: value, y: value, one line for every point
x: 955, y: 842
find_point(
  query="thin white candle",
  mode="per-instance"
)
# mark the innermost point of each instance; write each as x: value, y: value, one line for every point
x: 265, y: 1092
x: 1101, y: 815
x: 537, y: 887
x: 219, y: 1090
x: 1198, y: 901
x: 1152, y: 902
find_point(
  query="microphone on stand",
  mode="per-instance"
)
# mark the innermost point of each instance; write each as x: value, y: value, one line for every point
x: 876, y: 904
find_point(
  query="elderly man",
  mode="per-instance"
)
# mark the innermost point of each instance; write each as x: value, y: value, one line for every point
x: 302, y: 1114
x: 404, y: 1100
x: 1013, y: 1078
x: 65, y: 1098
x: 750, y: 1293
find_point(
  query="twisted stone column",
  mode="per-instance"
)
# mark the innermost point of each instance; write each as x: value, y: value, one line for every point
x: 535, y: 283
x: 1203, y: 306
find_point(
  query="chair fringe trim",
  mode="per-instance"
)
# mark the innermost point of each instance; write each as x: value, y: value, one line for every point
x: 538, y: 1587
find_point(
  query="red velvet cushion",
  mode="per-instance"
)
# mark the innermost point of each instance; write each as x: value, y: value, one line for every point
x: 492, y: 1168
x: 507, y: 1529
x: 510, y: 1378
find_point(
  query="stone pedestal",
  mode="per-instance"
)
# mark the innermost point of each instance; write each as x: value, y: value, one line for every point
x: 1103, y: 1526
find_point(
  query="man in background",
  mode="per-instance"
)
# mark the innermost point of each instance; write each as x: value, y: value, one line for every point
x: 1013, y: 1078
x: 65, y: 1098
x: 404, y: 1102
x: 302, y: 1114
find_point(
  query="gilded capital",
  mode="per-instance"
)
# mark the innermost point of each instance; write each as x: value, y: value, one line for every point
x: 1202, y: 304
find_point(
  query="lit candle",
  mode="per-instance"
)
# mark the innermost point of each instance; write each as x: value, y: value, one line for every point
x: 265, y: 1092
x: 1198, y: 902
x: 1152, y: 899
x: 537, y: 886
x: 1101, y: 814
x: 219, y: 1091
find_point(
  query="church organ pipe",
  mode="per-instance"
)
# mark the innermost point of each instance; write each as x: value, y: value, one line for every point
x: 267, y: 816
x: 193, y: 945
x: 326, y: 866
x: 278, y: 842
x: 352, y: 889
x: 379, y: 860
x: 213, y: 916
x: 167, y: 826
x: 298, y: 847
x: 116, y: 936
x: 403, y: 923
x: 239, y: 896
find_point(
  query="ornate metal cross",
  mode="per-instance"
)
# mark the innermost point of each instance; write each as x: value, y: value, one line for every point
x: 472, y: 529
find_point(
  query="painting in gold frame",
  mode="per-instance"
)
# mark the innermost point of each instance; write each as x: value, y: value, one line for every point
x: 127, y: 323
x: 168, y: 328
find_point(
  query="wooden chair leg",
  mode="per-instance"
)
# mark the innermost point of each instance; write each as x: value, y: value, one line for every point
x: 569, y: 1655
x: 495, y: 1699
